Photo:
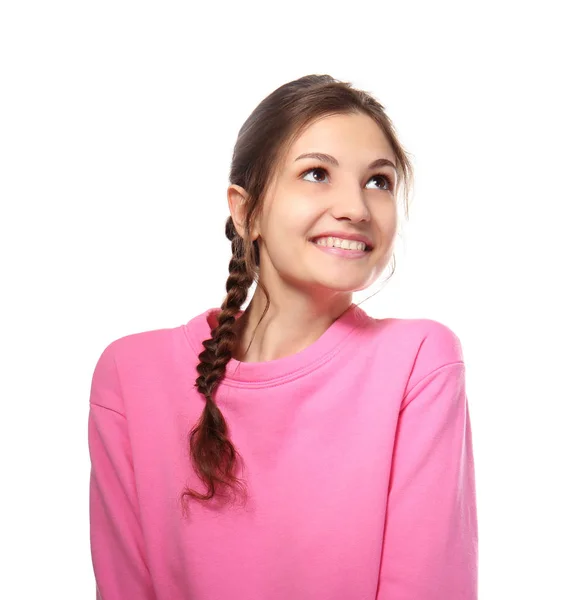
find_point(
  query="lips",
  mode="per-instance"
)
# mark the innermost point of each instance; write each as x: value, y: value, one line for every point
x: 357, y: 237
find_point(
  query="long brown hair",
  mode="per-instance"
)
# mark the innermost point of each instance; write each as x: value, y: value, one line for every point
x: 261, y: 144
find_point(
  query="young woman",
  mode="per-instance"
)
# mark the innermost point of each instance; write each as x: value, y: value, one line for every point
x: 299, y: 449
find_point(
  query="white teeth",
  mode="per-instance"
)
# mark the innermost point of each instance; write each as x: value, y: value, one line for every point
x: 332, y: 242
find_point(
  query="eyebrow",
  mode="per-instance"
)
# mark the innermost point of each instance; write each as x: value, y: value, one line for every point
x: 379, y: 162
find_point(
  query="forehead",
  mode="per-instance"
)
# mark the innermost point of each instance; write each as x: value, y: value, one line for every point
x: 349, y: 137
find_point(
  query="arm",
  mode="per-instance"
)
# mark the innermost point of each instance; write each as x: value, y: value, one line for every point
x: 117, y: 545
x: 431, y: 537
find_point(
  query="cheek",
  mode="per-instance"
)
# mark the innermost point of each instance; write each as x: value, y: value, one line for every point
x: 293, y: 220
x: 385, y: 219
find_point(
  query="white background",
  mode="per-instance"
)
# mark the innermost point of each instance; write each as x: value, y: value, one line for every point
x: 117, y: 124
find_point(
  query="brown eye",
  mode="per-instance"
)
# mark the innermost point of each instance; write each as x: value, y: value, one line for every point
x: 389, y: 184
x: 315, y: 170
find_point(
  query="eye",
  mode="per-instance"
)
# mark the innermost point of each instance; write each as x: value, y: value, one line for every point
x: 388, y: 183
x: 315, y: 169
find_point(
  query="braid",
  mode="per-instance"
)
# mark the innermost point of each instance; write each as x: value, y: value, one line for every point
x: 212, y: 453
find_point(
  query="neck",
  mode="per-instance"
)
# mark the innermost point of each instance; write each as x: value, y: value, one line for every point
x: 287, y: 327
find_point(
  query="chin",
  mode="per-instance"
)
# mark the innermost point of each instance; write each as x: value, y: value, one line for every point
x: 345, y: 285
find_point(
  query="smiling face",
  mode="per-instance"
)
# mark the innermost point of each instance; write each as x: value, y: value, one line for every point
x: 311, y: 196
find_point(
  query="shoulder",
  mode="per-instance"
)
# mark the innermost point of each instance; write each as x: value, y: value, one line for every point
x: 419, y: 346
x: 141, y: 344
x: 146, y: 347
x: 438, y: 343
x: 131, y: 365
x: 128, y: 357
x: 431, y: 341
x: 438, y: 350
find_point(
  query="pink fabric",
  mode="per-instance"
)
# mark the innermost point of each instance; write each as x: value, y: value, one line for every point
x: 357, y: 456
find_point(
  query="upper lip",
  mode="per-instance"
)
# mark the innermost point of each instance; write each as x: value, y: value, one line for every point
x: 358, y: 237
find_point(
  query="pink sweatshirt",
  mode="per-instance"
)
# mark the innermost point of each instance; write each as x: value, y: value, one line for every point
x: 357, y: 457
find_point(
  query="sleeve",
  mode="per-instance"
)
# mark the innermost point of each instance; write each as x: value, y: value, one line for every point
x: 430, y: 549
x: 117, y: 545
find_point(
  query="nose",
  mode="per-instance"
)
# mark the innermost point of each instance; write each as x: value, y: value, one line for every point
x: 351, y: 203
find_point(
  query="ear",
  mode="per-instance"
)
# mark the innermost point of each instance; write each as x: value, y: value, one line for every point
x: 238, y: 198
